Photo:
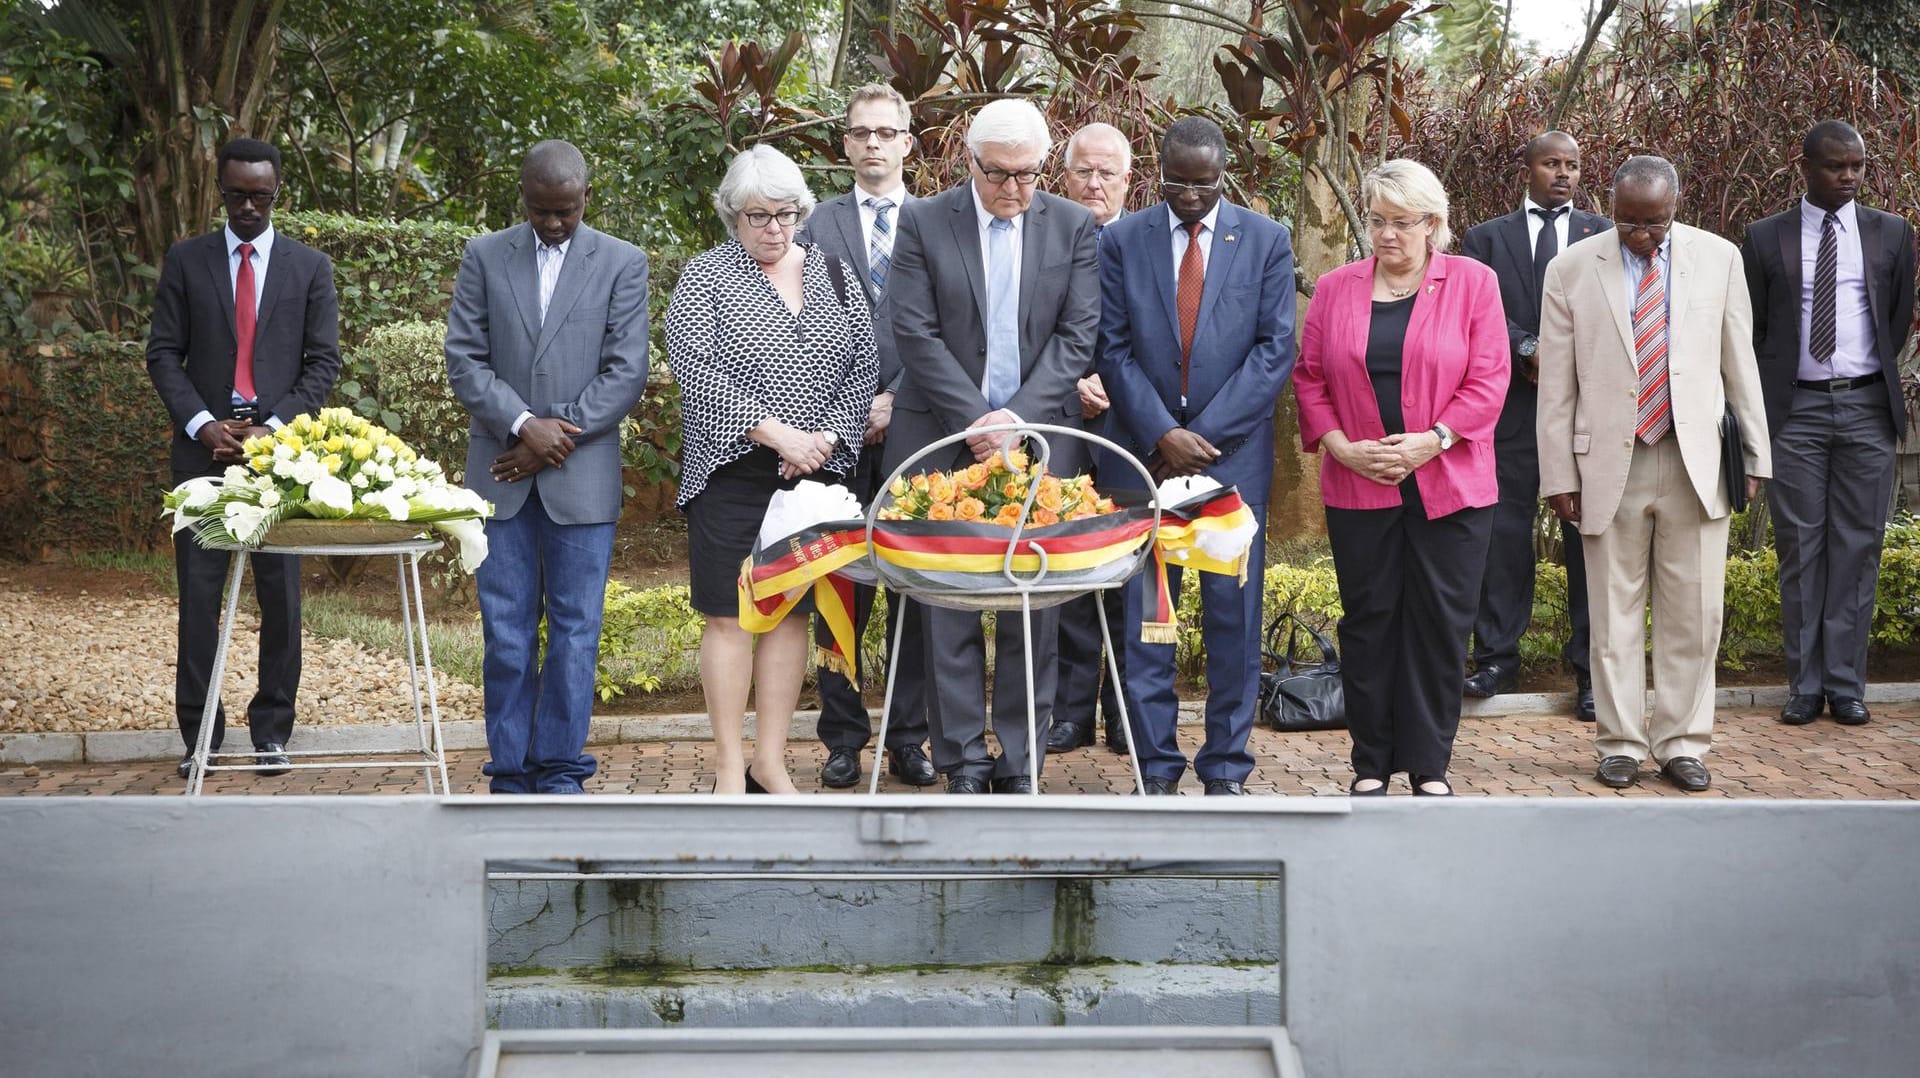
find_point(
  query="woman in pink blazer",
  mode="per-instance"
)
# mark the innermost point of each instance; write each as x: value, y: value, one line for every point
x: 1403, y: 371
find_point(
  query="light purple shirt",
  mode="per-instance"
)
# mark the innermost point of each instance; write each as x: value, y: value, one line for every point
x: 1853, y: 353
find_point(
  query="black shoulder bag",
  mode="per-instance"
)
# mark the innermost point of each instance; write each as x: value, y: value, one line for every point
x: 1299, y: 695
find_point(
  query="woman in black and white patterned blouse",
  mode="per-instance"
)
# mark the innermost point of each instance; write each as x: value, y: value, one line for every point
x: 777, y: 369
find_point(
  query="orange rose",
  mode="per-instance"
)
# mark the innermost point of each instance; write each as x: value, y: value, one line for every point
x: 1049, y: 496
x: 974, y: 477
x: 1044, y: 517
x: 920, y: 482
x: 969, y: 509
x: 940, y: 511
x: 941, y: 487
x: 1008, y: 516
x: 1015, y: 489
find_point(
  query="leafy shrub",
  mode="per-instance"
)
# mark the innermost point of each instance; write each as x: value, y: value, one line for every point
x: 407, y: 361
x: 644, y: 639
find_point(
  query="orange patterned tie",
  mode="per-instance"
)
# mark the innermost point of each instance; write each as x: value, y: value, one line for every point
x: 1193, y: 281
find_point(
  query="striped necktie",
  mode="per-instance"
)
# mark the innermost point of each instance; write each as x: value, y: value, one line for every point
x: 880, y: 247
x: 1650, y: 353
x: 1823, y: 334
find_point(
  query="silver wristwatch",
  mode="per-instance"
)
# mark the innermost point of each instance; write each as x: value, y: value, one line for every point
x: 1446, y: 437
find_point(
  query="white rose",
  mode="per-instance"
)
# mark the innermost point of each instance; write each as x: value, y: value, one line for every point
x: 330, y: 492
x: 269, y: 498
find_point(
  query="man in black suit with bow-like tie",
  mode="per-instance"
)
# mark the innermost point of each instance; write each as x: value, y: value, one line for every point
x: 858, y: 227
x: 1832, y: 287
x: 1518, y: 246
x: 245, y: 337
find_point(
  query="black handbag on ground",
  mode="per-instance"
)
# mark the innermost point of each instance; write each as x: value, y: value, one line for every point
x: 1733, y: 461
x: 1300, y: 695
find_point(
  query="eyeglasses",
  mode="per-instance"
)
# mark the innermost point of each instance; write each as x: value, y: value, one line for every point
x: 1176, y: 188
x: 1376, y: 223
x: 884, y: 134
x: 761, y: 218
x: 1651, y: 230
x: 262, y: 199
x: 998, y: 177
x: 1085, y: 173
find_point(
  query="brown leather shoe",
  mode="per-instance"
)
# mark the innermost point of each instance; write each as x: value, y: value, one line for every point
x: 1618, y: 772
x: 1687, y: 773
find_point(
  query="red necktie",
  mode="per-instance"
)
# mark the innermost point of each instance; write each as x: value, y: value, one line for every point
x: 243, y: 325
x: 1650, y: 353
x: 1193, y: 280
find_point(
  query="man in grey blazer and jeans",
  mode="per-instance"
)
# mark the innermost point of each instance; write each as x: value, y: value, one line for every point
x: 858, y: 227
x: 996, y: 300
x: 547, y: 348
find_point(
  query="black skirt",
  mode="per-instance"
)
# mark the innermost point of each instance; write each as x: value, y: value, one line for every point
x: 723, y: 521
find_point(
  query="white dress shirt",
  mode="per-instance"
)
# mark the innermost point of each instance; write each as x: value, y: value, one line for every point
x: 262, y: 255
x: 1180, y: 239
x: 549, y: 261
x: 1535, y: 224
x: 1853, y: 353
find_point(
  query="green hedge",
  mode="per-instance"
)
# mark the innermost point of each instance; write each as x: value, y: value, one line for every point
x: 100, y: 465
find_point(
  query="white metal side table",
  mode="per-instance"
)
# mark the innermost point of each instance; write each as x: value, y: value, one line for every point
x: 430, y: 757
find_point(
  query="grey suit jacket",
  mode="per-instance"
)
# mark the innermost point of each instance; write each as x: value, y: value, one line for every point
x: 835, y: 226
x: 586, y: 363
x: 938, y: 289
x: 191, y: 344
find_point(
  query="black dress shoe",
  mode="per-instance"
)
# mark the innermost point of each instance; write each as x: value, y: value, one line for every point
x: 1354, y: 790
x: 1419, y: 781
x: 1068, y: 736
x: 841, y: 770
x: 965, y: 784
x: 753, y: 784
x: 1847, y: 711
x: 1619, y: 772
x: 274, y: 756
x: 1687, y: 773
x: 1162, y: 787
x: 1492, y: 679
x: 1116, y: 738
x: 1801, y: 709
x: 1225, y: 788
x: 1013, y: 784
x: 910, y: 765
x: 185, y: 768
x: 1583, y: 704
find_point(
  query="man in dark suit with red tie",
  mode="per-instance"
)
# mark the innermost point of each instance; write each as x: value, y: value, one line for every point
x: 245, y: 337
x: 1518, y: 246
x: 1832, y: 288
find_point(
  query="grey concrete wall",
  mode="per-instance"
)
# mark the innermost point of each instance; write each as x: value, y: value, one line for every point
x: 761, y: 924
x: 300, y: 936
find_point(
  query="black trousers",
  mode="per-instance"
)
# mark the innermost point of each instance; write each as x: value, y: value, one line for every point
x: 1083, y: 665
x: 1506, y: 589
x: 202, y: 577
x: 844, y: 723
x: 1408, y: 587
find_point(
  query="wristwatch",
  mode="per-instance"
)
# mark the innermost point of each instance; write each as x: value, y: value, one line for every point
x: 832, y: 437
x: 1446, y: 437
x: 1528, y: 346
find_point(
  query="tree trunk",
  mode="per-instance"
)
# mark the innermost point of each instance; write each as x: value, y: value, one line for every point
x: 858, y: 20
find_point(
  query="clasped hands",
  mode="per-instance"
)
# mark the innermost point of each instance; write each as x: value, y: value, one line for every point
x: 802, y: 452
x: 1388, y: 460
x: 227, y: 438
x: 542, y: 443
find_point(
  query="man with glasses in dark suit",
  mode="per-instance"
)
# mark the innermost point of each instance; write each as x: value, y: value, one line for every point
x: 245, y: 337
x: 859, y: 228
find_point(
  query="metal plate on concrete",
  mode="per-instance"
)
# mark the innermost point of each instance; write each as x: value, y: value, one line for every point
x: 1230, y: 1052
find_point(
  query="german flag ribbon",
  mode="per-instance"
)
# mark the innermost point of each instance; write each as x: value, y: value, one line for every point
x: 1192, y: 534
x: 773, y: 580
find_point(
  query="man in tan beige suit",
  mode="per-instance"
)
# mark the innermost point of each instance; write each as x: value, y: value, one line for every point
x: 1656, y: 318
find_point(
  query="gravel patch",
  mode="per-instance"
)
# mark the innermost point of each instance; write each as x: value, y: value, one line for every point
x: 107, y: 664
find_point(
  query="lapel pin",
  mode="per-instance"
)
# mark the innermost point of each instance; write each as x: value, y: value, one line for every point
x: 1230, y: 237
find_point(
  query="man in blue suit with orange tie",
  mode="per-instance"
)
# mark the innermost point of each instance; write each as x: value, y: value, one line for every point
x: 1197, y: 332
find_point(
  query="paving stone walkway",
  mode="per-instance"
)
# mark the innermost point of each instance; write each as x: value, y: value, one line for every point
x: 1520, y: 756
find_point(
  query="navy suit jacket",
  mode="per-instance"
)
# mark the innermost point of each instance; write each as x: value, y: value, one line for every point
x: 1243, y: 350
x: 1502, y: 244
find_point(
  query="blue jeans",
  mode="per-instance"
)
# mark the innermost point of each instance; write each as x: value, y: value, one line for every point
x: 537, y: 715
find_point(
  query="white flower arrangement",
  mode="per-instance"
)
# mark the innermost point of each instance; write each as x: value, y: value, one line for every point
x: 331, y: 466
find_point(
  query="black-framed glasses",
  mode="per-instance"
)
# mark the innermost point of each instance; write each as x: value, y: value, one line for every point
x: 262, y: 199
x: 761, y: 218
x: 1655, y: 231
x: 998, y: 177
x: 1176, y: 188
x: 884, y: 134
